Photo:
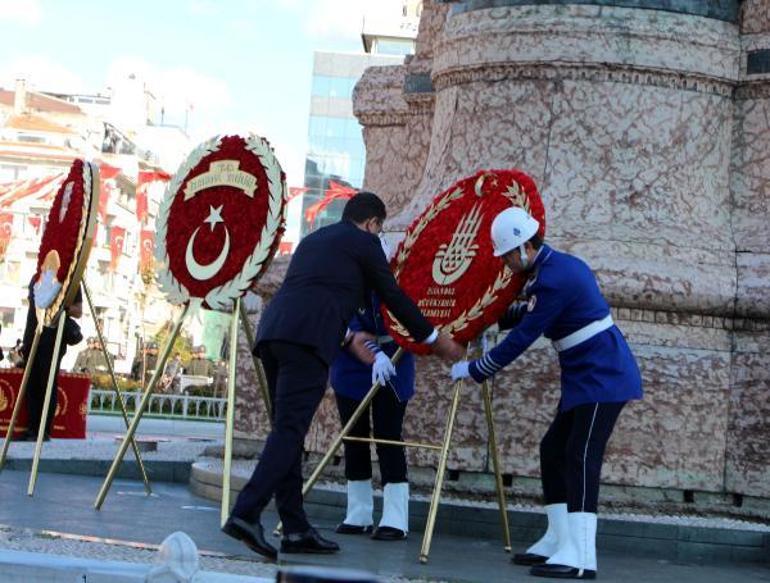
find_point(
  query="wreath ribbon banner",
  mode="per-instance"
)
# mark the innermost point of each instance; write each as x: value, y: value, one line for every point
x: 445, y: 262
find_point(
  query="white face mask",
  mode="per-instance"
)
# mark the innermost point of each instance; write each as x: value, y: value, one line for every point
x: 385, y: 246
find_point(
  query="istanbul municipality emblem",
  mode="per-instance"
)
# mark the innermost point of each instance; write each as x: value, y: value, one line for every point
x: 445, y: 262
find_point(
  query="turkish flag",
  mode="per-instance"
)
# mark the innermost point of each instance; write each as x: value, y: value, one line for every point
x: 295, y: 191
x: 6, y: 227
x: 143, y: 183
x: 35, y: 221
x: 117, y: 238
x: 107, y: 174
x: 336, y: 191
x: 146, y: 249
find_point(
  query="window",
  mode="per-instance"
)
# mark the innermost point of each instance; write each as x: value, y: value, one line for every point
x: 11, y: 172
x: 30, y: 139
x: 6, y: 317
x: 394, y: 47
x: 340, y: 87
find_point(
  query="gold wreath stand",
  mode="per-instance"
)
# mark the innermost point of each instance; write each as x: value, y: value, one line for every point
x: 61, y: 316
x: 111, y: 370
x: 50, y: 385
x: 238, y: 310
x: 77, y: 276
x: 440, y: 471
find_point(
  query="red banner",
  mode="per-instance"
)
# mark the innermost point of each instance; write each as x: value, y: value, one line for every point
x: 106, y: 173
x: 146, y: 250
x: 117, y: 237
x: 35, y: 221
x: 69, y: 421
x: 295, y: 191
x: 143, y: 182
x: 336, y: 191
x: 6, y: 227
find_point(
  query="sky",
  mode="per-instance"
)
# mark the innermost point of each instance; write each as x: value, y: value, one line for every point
x: 243, y: 65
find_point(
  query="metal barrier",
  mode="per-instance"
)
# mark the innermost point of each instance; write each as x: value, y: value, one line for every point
x: 178, y: 406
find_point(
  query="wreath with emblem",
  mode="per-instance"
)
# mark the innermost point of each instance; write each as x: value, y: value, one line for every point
x: 67, y: 240
x: 445, y: 261
x: 220, y: 221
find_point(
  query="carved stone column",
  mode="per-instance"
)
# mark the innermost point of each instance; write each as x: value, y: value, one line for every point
x: 622, y: 111
x: 748, y: 459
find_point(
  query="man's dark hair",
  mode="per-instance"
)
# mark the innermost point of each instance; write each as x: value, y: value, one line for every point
x: 536, y: 241
x: 364, y: 206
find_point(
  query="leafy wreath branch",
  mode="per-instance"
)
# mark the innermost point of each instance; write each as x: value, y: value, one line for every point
x: 176, y: 292
x: 489, y: 297
x: 220, y: 297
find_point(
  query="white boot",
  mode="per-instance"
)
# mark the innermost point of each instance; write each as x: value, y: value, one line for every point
x: 576, y: 556
x: 360, y: 503
x: 556, y: 531
x: 395, y: 512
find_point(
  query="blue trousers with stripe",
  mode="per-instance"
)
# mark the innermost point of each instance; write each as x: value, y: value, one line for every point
x: 571, y: 454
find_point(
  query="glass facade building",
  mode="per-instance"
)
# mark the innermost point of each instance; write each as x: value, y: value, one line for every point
x: 336, y: 149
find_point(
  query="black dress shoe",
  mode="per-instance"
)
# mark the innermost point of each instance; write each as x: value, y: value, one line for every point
x: 388, y: 533
x: 352, y: 529
x: 561, y: 572
x: 528, y: 559
x: 252, y: 535
x: 308, y: 542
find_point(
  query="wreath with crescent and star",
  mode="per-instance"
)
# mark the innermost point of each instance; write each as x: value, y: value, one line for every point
x: 250, y: 210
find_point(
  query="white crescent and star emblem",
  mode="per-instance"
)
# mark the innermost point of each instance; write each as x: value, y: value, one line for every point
x: 204, y: 272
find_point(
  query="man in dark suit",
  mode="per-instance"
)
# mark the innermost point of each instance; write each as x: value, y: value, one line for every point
x: 329, y: 278
x: 41, y: 366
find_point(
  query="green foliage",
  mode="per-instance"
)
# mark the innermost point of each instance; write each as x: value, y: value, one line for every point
x: 182, y: 344
x: 102, y: 381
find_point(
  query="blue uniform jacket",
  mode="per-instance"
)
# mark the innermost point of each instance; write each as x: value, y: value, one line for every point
x: 352, y: 378
x: 563, y: 297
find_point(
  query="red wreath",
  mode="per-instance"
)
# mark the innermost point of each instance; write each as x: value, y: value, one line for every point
x: 244, y: 218
x: 456, y: 225
x: 64, y: 237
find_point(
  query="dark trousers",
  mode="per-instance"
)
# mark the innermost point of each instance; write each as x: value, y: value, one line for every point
x: 35, y: 394
x: 571, y: 455
x: 296, y: 379
x: 387, y: 418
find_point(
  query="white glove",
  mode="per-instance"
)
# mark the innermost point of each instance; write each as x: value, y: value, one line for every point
x: 460, y: 370
x: 382, y: 369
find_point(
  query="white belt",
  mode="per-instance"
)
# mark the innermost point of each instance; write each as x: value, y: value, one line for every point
x: 585, y: 333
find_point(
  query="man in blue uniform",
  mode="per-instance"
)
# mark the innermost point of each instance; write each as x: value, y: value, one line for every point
x: 352, y: 374
x: 598, y: 376
x: 329, y: 278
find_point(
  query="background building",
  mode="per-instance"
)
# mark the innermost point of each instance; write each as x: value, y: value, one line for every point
x: 336, y: 149
x: 40, y: 135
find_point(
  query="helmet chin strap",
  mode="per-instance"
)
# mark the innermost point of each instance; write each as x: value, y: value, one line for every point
x: 524, y: 258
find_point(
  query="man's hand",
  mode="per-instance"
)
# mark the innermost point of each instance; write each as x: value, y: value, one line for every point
x: 447, y: 348
x: 460, y: 370
x: 359, y: 349
x: 382, y: 370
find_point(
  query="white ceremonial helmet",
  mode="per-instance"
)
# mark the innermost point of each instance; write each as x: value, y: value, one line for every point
x: 512, y: 228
